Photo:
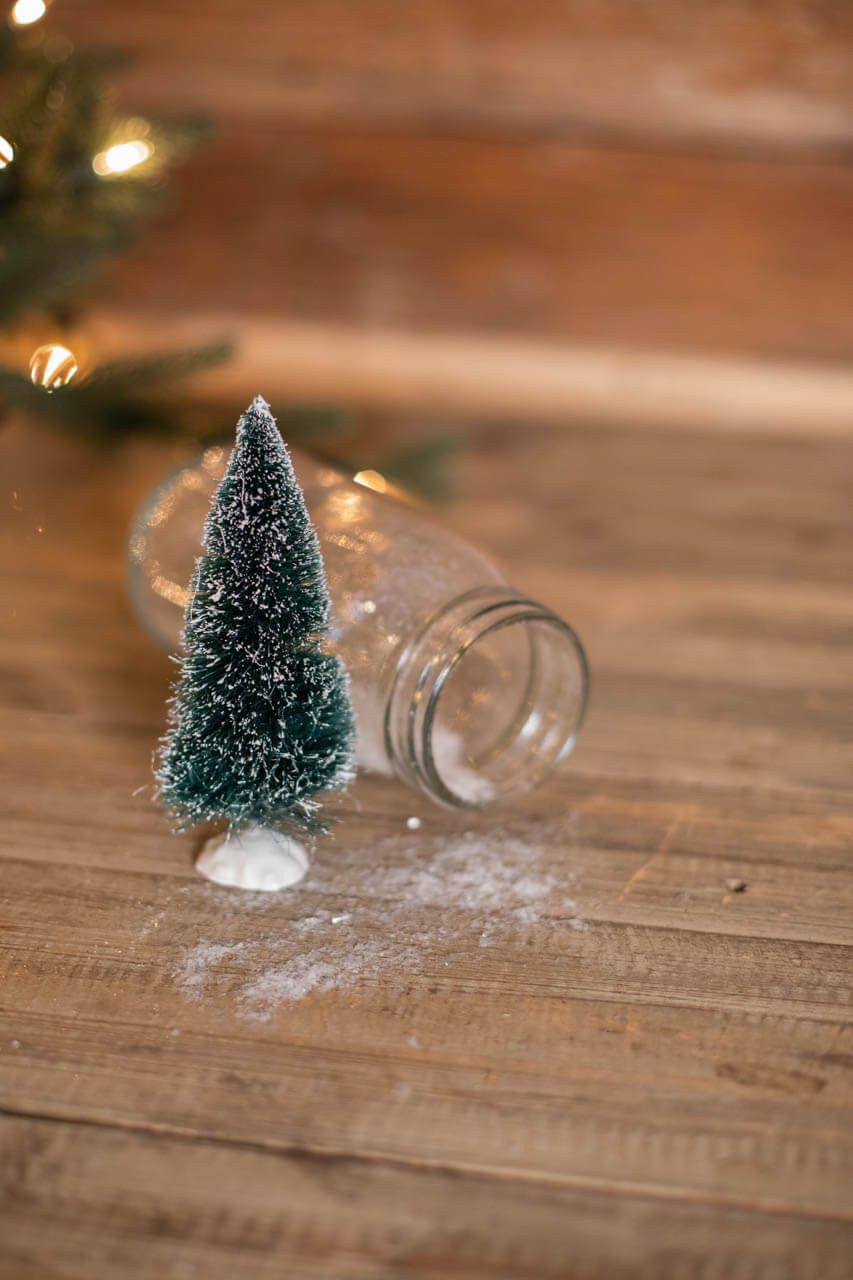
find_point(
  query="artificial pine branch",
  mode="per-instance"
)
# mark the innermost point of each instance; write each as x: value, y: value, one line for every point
x: 60, y: 221
x: 261, y: 719
x: 114, y: 401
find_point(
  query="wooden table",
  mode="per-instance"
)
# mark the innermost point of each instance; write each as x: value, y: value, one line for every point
x: 651, y: 1083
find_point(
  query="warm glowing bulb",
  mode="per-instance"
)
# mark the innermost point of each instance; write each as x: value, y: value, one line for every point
x: 27, y: 11
x: 52, y: 366
x: 7, y: 152
x: 372, y: 480
x: 122, y: 156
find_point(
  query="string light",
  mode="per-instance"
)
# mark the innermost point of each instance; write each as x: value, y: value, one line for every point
x: 25, y: 12
x: 7, y: 152
x: 372, y: 480
x: 122, y: 156
x: 52, y: 366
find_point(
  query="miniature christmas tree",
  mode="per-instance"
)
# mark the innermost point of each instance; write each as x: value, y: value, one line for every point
x: 261, y: 719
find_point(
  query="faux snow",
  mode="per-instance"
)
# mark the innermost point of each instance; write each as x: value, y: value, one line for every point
x: 448, y: 755
x: 455, y: 772
x: 258, y: 858
x: 414, y: 902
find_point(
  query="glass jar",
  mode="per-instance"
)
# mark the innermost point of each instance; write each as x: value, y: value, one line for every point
x: 462, y: 686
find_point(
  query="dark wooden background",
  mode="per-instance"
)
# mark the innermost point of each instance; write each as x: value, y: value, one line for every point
x: 615, y: 238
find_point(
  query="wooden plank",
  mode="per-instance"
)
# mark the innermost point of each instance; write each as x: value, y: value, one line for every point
x: 83, y: 1202
x: 631, y: 1034
x: 487, y: 377
x: 620, y: 1058
x: 549, y: 240
x: 790, y: 847
x: 734, y: 75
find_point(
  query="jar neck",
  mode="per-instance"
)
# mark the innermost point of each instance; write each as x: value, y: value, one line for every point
x: 486, y: 700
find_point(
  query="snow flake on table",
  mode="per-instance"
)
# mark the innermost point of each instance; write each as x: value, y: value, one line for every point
x: 360, y: 917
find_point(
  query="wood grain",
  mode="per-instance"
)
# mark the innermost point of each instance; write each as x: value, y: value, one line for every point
x: 663, y: 1092
x: 617, y: 181
x: 574, y: 213
x: 739, y: 74
x: 500, y: 237
x: 415, y: 377
x: 165, y: 1205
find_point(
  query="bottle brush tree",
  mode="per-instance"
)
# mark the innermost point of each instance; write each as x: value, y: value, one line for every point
x: 260, y: 718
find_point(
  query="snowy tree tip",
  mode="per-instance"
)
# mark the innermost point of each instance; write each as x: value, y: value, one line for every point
x: 257, y: 409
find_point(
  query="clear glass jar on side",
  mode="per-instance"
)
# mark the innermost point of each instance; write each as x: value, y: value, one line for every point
x: 462, y: 686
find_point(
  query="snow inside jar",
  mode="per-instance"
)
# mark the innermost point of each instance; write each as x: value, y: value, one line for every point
x: 462, y: 686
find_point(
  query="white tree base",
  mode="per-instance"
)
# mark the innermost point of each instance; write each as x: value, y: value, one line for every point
x: 258, y: 858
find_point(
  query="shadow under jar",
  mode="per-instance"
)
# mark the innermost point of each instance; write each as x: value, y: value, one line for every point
x: 462, y: 686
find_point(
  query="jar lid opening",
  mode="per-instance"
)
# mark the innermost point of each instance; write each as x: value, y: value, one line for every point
x: 488, y: 701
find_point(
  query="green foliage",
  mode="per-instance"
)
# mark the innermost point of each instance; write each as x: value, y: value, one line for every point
x: 424, y: 467
x: 312, y: 421
x: 106, y: 405
x: 261, y: 717
x: 60, y: 220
